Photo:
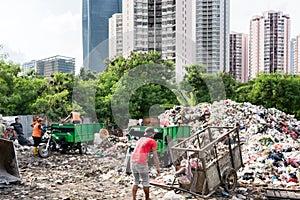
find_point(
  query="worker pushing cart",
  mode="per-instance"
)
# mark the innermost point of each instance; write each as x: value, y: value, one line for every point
x: 213, y: 155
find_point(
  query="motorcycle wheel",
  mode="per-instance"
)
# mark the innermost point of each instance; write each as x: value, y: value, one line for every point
x: 43, y: 151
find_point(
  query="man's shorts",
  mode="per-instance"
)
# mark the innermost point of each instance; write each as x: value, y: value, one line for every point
x: 140, y: 172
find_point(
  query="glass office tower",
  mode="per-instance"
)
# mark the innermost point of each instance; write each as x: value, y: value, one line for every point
x: 95, y: 16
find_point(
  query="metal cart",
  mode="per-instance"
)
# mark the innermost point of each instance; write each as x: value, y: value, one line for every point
x: 217, y: 153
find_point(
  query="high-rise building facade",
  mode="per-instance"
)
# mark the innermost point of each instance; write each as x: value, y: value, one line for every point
x: 142, y: 25
x: 238, y: 56
x: 48, y: 66
x: 95, y: 15
x: 269, y: 43
x: 296, y: 55
x: 186, y: 32
x: 115, y: 35
x: 292, y: 55
x: 27, y: 66
x: 212, y: 34
x: 185, y: 26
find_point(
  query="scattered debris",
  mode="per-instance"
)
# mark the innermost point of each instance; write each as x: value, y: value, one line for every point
x: 270, y: 149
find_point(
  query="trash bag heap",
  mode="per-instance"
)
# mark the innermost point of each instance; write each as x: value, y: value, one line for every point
x: 269, y: 137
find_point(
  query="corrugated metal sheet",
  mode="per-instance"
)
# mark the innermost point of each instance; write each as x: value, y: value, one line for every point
x: 26, y: 120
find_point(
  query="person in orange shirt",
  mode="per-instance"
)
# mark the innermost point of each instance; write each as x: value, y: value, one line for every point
x: 35, y: 118
x: 37, y: 135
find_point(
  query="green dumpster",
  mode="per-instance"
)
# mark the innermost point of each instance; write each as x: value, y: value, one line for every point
x: 177, y: 133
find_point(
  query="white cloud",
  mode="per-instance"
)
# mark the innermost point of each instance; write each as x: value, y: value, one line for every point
x: 59, y: 34
x: 241, y: 11
x: 13, y: 55
x: 35, y: 29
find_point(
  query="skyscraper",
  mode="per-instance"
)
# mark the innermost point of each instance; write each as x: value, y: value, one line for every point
x: 115, y: 35
x: 212, y: 34
x: 293, y: 55
x: 296, y: 55
x: 95, y: 15
x: 186, y: 32
x: 142, y: 25
x: 269, y: 43
x: 238, y: 57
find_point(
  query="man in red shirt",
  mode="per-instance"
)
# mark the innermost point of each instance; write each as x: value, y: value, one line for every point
x: 139, y: 163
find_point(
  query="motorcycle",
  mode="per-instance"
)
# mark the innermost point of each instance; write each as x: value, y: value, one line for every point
x: 47, y: 145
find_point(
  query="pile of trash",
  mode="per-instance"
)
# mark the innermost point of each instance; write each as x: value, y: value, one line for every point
x: 270, y: 150
x: 109, y: 145
x: 195, y: 117
x: 270, y: 139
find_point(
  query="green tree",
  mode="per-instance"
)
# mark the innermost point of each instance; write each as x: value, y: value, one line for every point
x: 209, y: 87
x: 273, y: 90
x: 55, y: 101
x: 136, y: 78
x: 8, y: 74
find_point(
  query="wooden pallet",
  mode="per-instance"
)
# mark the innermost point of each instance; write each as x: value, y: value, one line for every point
x: 273, y: 194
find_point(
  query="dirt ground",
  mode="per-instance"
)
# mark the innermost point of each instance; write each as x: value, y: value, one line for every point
x: 75, y: 176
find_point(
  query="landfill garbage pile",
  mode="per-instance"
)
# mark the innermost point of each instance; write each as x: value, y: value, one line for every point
x: 196, y: 117
x: 269, y: 137
x: 111, y: 146
x: 270, y: 145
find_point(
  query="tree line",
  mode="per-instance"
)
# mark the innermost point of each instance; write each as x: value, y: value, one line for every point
x: 141, y: 85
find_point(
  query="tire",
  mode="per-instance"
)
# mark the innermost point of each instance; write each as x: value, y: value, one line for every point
x: 43, y: 151
x: 83, y: 148
x: 229, y: 179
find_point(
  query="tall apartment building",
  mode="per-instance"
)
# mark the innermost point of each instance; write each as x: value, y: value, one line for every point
x: 185, y: 36
x: 212, y: 34
x: 115, y: 35
x: 292, y: 55
x: 142, y: 25
x: 296, y: 55
x: 238, y: 57
x: 27, y: 66
x: 48, y: 66
x: 186, y: 32
x: 95, y: 15
x: 269, y: 43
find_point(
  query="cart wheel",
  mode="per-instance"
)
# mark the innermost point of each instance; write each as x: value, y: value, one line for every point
x: 229, y: 179
x: 83, y: 148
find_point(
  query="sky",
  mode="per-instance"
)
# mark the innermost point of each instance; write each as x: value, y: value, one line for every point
x: 37, y: 29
